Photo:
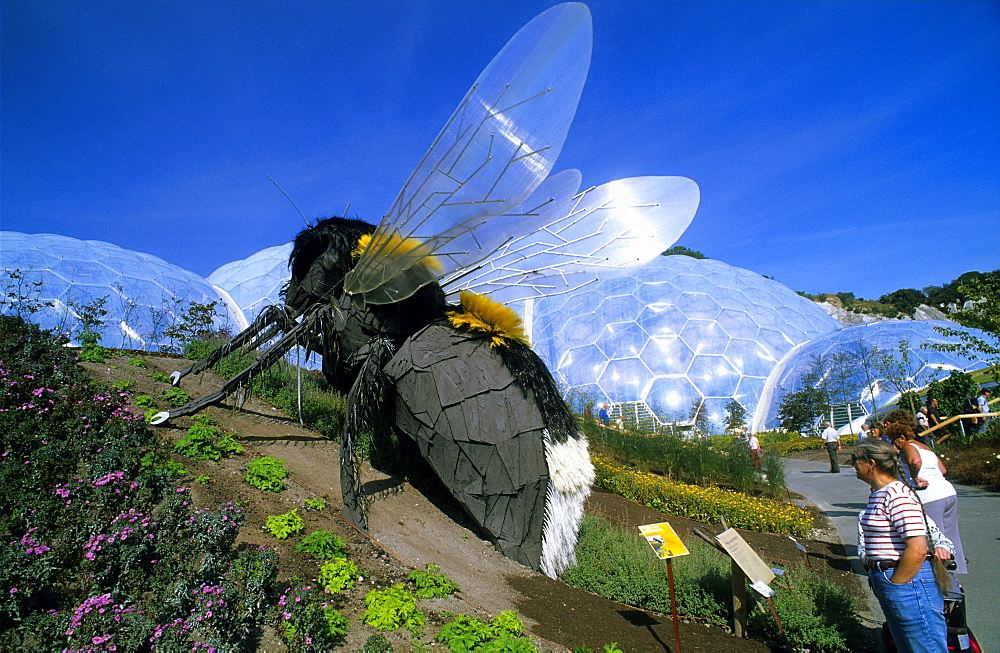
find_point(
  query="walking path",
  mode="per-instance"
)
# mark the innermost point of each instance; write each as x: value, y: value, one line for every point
x: 842, y: 496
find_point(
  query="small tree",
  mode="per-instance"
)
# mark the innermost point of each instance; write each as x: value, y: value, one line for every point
x: 699, y: 415
x: 21, y: 297
x: 800, y: 409
x: 899, y: 371
x: 736, y: 416
x: 982, y: 297
x: 196, y: 322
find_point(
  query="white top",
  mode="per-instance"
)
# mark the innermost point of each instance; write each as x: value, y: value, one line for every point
x: 938, y: 487
x: 830, y: 435
x: 922, y: 421
x: 754, y: 442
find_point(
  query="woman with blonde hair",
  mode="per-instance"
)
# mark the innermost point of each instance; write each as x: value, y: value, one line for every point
x: 925, y: 472
x: 895, y: 551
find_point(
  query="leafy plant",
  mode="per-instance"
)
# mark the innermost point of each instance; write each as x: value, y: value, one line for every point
x: 377, y: 644
x: 144, y: 401
x: 206, y: 442
x: 338, y: 574
x: 137, y: 362
x: 308, y: 623
x: 266, y: 473
x: 392, y: 608
x: 202, y: 480
x: 431, y: 583
x: 323, y: 544
x: 160, y: 377
x: 150, y: 414
x: 317, y: 503
x: 502, y: 633
x: 156, y: 461
x: 175, y: 397
x: 125, y: 385
x: 281, y: 526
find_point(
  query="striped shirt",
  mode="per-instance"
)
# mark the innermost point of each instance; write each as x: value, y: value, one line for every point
x: 892, y: 515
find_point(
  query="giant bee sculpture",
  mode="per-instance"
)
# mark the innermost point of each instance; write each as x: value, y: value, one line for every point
x: 459, y: 382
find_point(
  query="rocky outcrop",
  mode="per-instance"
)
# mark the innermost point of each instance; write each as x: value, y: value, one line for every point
x: 835, y: 309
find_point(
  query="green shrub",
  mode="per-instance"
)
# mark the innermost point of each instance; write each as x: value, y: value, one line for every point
x: 266, y: 473
x: 160, y: 377
x: 431, y: 583
x: 125, y: 385
x: 323, y: 544
x: 175, y: 397
x: 392, y: 608
x: 204, y: 441
x: 816, y: 614
x: 308, y: 623
x: 314, y: 503
x: 338, y: 574
x: 502, y: 633
x: 137, y: 362
x: 281, y: 526
x: 144, y: 401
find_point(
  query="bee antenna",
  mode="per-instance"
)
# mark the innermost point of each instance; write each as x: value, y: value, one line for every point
x: 347, y: 209
x: 278, y: 186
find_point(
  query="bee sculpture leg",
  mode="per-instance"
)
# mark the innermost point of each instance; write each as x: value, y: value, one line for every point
x: 489, y: 443
x: 270, y: 322
x: 367, y: 407
x: 297, y: 334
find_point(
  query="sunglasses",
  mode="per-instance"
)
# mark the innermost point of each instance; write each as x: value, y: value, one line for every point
x: 855, y: 459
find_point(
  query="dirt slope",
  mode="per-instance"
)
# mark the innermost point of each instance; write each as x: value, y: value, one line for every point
x: 409, y: 528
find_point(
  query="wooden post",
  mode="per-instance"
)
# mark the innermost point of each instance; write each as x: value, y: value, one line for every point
x: 740, y: 606
x: 673, y: 605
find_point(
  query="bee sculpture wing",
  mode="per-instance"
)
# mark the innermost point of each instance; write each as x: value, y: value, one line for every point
x: 602, y: 232
x: 494, y: 151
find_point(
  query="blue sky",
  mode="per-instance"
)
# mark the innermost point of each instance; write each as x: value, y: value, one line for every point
x: 839, y: 146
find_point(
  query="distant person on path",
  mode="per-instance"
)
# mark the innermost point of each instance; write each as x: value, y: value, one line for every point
x: 934, y: 416
x: 923, y: 422
x: 983, y: 404
x: 602, y: 415
x: 895, y: 553
x: 832, y: 443
x: 866, y: 432
x: 925, y: 472
x: 756, y: 451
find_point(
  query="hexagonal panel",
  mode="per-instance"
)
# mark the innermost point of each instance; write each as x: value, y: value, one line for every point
x: 672, y: 397
x: 714, y: 376
x: 626, y: 377
x: 622, y: 340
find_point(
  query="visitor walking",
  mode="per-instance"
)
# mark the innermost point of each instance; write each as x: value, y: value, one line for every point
x: 831, y: 440
x: 756, y: 451
x: 602, y: 415
x: 925, y: 472
x: 894, y: 548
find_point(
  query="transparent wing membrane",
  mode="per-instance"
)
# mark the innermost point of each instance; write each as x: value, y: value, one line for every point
x: 607, y: 231
x: 494, y: 151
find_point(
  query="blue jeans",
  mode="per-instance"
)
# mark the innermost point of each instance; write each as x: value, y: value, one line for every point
x: 913, y: 610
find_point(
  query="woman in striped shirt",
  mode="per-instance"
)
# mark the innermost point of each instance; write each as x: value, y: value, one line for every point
x: 895, y: 553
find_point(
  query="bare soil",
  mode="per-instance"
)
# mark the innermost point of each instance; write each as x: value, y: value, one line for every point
x: 410, y: 527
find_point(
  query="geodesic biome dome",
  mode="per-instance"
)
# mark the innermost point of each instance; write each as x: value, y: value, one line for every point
x: 677, y: 333
x: 256, y: 281
x: 145, y: 294
x: 852, y: 353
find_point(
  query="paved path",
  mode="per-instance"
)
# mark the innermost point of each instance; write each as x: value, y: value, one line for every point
x: 842, y: 496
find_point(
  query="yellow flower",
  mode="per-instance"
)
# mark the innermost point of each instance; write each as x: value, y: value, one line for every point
x: 483, y: 315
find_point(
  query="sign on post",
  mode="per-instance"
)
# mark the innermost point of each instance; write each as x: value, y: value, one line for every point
x: 664, y: 540
x: 747, y: 559
x: 667, y: 546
